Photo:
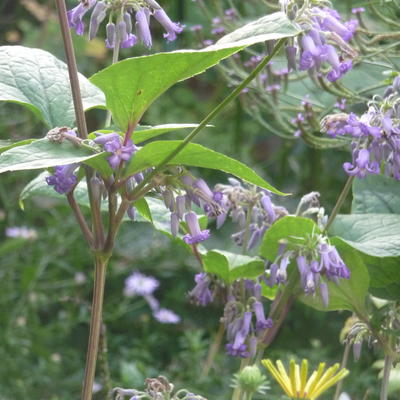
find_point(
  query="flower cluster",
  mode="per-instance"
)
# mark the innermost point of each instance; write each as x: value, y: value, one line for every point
x: 317, y: 262
x: 138, y: 284
x: 375, y: 135
x: 324, y: 42
x: 251, y: 209
x: 245, y: 323
x: 119, y: 28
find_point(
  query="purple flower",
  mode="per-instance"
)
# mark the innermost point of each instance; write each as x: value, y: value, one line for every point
x: 21, y: 232
x: 358, y: 10
x: 76, y: 15
x: 112, y: 143
x: 361, y: 164
x: 63, y: 178
x: 196, y: 235
x: 166, y: 316
x: 97, y: 17
x: 238, y: 347
x: 332, y: 263
x: 142, y: 26
x: 332, y: 24
x: 172, y: 28
x: 201, y: 293
x: 139, y: 284
x: 261, y: 323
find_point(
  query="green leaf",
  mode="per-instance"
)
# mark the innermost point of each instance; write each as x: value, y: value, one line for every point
x: 230, y: 266
x: 193, y: 155
x: 43, y: 154
x: 296, y: 229
x: 144, y: 133
x: 373, y: 234
x: 270, y: 27
x: 9, y: 144
x: 385, y: 276
x: 348, y: 294
x: 39, y: 81
x: 132, y: 85
x: 376, y: 194
x: 143, y: 209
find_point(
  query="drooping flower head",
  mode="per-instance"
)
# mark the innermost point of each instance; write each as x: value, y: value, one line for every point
x: 119, y: 30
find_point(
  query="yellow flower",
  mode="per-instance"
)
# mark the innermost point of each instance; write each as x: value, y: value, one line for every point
x: 297, y: 386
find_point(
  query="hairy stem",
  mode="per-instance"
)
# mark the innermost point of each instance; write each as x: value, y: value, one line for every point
x: 232, y: 96
x: 87, y: 233
x: 95, y: 326
x: 342, y: 197
x: 104, y: 366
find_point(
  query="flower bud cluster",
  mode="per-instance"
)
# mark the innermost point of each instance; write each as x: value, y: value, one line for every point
x: 317, y: 262
x: 119, y: 29
x: 245, y: 320
x: 250, y: 208
x: 375, y: 135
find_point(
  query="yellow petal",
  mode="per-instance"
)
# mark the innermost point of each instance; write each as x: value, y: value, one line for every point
x: 325, y: 378
x: 275, y: 373
x: 317, y: 377
x: 303, y: 376
x: 284, y: 376
x: 331, y: 382
x: 292, y: 372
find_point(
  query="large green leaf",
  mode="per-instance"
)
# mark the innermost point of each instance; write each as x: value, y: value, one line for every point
x: 376, y: 194
x: 373, y: 234
x: 9, y: 144
x: 294, y: 229
x: 348, y: 294
x: 43, y: 154
x: 270, y: 27
x: 193, y: 155
x: 230, y: 266
x: 132, y: 85
x: 39, y: 81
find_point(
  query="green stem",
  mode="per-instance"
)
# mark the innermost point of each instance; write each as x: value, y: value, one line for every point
x: 385, y: 379
x: 342, y: 197
x: 232, y: 96
x: 104, y: 366
x: 213, y: 351
x: 345, y: 359
x: 95, y: 326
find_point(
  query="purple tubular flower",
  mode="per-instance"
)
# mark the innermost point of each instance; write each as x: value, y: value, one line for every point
x: 180, y: 203
x: 76, y: 15
x: 357, y: 347
x: 268, y: 207
x: 196, y: 235
x: 140, y: 285
x: 261, y: 323
x: 103, y: 138
x: 172, y: 28
x: 142, y: 26
x: 174, y: 224
x: 63, y: 178
x: 238, y: 347
x: 281, y: 274
x: 362, y: 164
x: 332, y: 24
x: 166, y: 316
x: 323, y: 288
x: 291, y: 52
x: 110, y: 35
x: 97, y: 17
x: 332, y: 262
x: 201, y: 293
x: 131, y: 213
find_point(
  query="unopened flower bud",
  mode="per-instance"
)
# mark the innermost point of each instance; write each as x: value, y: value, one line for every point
x: 250, y: 379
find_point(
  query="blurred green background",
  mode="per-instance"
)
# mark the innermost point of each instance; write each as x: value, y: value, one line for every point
x: 46, y: 282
